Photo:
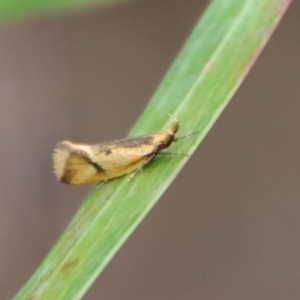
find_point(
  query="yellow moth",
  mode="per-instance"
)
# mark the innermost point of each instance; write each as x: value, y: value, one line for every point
x: 81, y: 164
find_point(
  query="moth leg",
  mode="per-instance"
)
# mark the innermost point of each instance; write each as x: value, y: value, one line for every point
x: 141, y: 167
x: 100, y: 183
x: 173, y: 154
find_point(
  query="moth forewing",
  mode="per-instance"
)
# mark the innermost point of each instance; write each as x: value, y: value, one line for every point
x: 81, y: 164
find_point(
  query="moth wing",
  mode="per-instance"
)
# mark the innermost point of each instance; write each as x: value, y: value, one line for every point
x: 73, y: 165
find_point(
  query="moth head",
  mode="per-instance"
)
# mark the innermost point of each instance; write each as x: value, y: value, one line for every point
x: 173, y: 127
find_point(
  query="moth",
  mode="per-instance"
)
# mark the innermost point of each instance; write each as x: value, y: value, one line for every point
x: 82, y: 164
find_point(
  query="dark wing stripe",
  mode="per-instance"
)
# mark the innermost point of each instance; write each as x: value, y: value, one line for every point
x: 83, y: 155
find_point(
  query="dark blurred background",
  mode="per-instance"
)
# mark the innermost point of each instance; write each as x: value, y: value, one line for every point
x: 227, y: 228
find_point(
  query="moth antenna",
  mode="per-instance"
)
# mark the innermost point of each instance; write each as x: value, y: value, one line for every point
x: 186, y: 136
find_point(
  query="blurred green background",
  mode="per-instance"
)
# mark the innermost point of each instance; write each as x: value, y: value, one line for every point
x: 222, y: 231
